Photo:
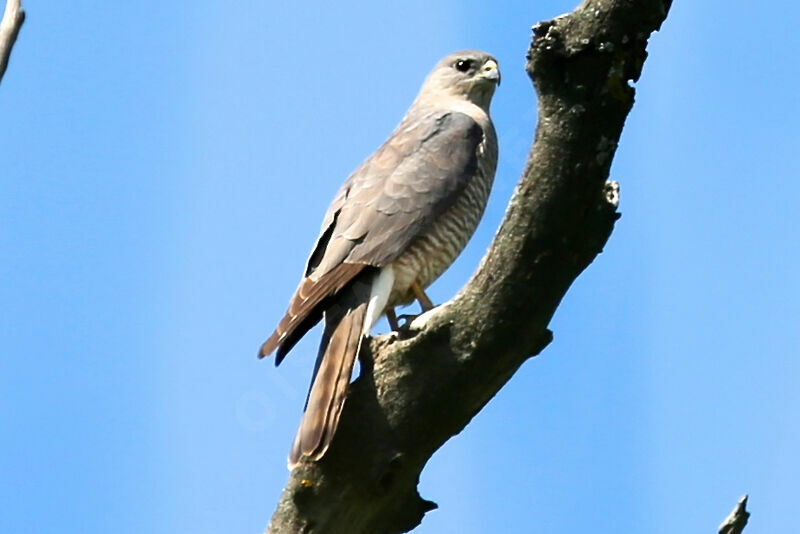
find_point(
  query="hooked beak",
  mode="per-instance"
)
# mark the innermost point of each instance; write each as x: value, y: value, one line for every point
x: 490, y: 71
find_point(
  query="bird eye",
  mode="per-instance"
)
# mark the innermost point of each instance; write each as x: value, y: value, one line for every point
x: 463, y: 65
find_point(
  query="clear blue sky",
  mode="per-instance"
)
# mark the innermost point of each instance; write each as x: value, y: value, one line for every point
x: 163, y: 172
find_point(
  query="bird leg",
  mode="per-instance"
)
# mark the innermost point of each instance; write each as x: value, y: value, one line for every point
x: 391, y: 316
x: 425, y: 303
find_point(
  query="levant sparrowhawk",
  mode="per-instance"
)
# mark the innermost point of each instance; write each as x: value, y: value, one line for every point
x: 395, y: 225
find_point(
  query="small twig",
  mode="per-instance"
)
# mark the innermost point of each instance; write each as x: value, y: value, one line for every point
x: 736, y: 521
x: 13, y: 17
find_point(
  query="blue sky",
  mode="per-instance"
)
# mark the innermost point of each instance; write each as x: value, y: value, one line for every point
x: 165, y: 168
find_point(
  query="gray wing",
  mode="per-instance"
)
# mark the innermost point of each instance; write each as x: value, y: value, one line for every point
x: 399, y: 191
x: 393, y: 197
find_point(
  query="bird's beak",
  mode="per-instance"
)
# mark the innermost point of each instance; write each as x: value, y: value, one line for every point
x: 490, y: 71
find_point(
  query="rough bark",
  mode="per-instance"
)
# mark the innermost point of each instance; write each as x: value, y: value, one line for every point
x: 421, y: 387
x: 737, y: 520
x: 13, y: 17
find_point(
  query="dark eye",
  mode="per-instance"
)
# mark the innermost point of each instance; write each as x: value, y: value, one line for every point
x: 463, y: 64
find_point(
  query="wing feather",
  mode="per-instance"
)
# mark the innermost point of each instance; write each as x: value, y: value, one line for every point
x: 304, y: 305
x: 411, y: 180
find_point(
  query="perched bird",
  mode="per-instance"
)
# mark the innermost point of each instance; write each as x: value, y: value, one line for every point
x: 395, y: 225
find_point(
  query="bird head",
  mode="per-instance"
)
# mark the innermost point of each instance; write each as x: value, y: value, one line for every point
x: 468, y: 74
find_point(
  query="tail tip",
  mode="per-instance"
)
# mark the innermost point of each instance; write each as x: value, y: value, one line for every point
x: 302, y: 453
x: 270, y: 345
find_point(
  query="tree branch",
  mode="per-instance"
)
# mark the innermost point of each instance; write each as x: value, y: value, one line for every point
x: 418, y: 389
x: 736, y: 521
x: 13, y: 17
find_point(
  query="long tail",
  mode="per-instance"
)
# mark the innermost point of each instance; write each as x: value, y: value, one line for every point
x: 338, y: 352
x: 347, y: 322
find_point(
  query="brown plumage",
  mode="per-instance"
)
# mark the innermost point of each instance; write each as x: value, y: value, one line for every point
x: 344, y: 325
x: 401, y: 218
x: 305, y: 305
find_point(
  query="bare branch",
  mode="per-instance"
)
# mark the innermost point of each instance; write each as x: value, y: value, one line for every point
x: 419, y: 388
x: 736, y: 521
x: 13, y: 17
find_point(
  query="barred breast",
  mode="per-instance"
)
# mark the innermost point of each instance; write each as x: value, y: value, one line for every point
x: 430, y: 254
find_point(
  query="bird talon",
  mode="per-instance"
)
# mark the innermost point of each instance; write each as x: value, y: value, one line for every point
x: 417, y: 322
x: 404, y: 321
